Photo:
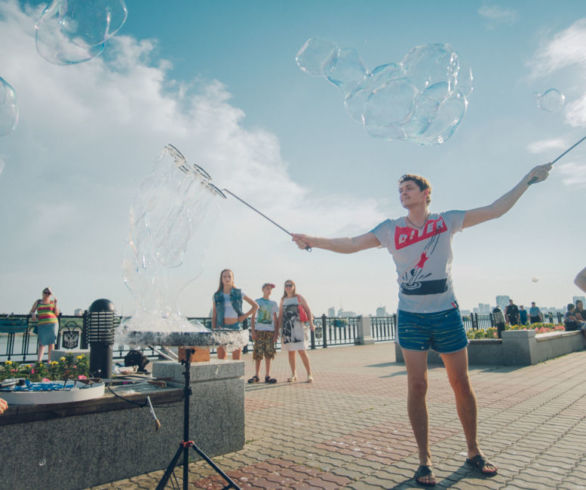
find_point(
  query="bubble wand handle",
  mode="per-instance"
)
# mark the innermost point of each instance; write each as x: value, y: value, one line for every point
x: 533, y: 180
x: 308, y: 248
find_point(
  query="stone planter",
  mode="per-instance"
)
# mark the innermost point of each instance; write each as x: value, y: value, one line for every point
x: 516, y: 348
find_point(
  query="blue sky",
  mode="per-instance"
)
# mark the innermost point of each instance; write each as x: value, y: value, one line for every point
x: 219, y: 80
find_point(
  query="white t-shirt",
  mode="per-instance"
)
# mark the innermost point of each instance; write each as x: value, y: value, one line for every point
x: 229, y: 311
x: 423, y: 259
x: 265, y: 320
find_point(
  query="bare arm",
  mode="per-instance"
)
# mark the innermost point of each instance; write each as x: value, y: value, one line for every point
x: 281, y: 313
x: 33, y: 312
x: 340, y: 245
x: 214, y: 316
x: 252, y: 311
x: 580, y: 280
x: 56, y: 308
x: 506, y: 202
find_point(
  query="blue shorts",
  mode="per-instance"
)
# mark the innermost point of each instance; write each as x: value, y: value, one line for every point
x: 442, y: 331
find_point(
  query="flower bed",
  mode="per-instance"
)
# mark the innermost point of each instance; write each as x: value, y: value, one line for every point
x: 68, y: 367
x: 491, y: 333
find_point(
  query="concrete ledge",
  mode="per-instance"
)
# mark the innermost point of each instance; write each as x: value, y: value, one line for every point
x: 516, y: 348
x: 74, y: 446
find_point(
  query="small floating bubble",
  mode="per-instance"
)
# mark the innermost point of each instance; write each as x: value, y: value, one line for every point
x: 551, y: 100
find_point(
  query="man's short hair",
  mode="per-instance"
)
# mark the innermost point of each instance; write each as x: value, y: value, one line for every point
x: 421, y: 182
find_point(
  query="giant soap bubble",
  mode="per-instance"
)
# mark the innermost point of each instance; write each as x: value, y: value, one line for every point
x: 8, y: 108
x: 74, y: 31
x: 551, y: 100
x: 422, y: 98
x: 172, y: 212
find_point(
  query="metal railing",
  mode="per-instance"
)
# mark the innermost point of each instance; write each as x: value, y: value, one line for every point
x: 18, y: 340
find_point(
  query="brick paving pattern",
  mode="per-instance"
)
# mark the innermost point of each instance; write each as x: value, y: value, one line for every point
x: 349, y: 429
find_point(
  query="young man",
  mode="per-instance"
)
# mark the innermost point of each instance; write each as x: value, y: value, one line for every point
x: 265, y: 332
x: 428, y: 315
x: 535, y: 315
x: 512, y: 313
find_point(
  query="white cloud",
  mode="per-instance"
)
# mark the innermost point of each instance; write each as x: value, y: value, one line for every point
x: 546, y: 145
x: 88, y: 134
x: 498, y: 15
x: 564, y: 50
x: 573, y: 174
x: 562, y: 60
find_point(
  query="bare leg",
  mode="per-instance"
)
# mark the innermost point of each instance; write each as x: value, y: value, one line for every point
x: 257, y: 367
x: 457, y: 369
x: 237, y: 354
x: 51, y: 347
x: 416, y: 364
x: 41, y: 352
x: 267, y: 366
x: 305, y: 361
x: 292, y: 362
x: 221, y: 352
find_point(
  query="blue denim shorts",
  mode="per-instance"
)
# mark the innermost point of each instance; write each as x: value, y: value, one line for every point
x: 442, y: 331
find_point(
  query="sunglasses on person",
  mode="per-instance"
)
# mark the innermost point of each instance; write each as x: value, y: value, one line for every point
x: 288, y: 285
x: 46, y: 292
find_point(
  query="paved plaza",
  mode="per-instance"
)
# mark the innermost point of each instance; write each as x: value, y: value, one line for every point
x: 349, y: 428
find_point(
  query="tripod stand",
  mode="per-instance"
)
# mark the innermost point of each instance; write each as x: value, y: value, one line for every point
x: 186, y: 443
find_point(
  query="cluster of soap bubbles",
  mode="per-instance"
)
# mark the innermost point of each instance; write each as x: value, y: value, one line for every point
x: 174, y: 202
x: 552, y: 100
x: 422, y: 98
x: 74, y: 31
x: 8, y: 108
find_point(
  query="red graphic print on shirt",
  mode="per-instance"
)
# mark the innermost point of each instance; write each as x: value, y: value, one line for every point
x: 405, y: 236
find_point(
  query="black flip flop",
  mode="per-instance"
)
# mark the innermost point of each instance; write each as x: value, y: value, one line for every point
x: 270, y: 380
x: 478, y: 462
x: 422, y: 472
x: 254, y: 379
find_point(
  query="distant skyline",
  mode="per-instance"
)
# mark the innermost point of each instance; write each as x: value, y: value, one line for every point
x: 219, y: 81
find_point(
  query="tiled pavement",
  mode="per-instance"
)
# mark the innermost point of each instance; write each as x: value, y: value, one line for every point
x: 349, y: 429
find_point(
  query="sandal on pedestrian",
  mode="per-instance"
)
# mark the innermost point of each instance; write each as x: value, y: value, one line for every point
x: 424, y: 476
x: 254, y: 379
x: 482, y: 465
x: 292, y: 379
x: 270, y: 380
x: 309, y: 378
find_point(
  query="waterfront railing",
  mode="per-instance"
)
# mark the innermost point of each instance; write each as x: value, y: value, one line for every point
x: 18, y: 340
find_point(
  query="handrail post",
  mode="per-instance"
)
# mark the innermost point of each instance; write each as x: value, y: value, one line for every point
x: 324, y: 323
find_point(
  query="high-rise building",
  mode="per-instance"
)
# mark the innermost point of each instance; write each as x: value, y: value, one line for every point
x: 381, y: 311
x: 331, y: 311
x: 502, y: 301
x: 483, y: 308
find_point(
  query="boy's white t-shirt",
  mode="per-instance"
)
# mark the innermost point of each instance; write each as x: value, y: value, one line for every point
x: 423, y: 259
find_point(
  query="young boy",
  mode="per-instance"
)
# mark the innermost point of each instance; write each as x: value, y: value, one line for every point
x: 265, y: 332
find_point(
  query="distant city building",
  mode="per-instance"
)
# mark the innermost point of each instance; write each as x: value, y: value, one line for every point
x: 78, y: 312
x: 502, y: 301
x: 482, y: 309
x: 331, y: 311
x: 345, y: 314
x: 381, y: 311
